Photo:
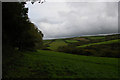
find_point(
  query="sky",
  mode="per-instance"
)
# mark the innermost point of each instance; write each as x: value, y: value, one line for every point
x: 71, y: 19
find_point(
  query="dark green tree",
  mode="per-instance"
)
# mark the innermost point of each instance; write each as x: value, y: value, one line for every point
x: 18, y: 32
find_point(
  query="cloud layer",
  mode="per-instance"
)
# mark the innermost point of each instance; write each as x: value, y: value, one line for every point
x: 69, y: 19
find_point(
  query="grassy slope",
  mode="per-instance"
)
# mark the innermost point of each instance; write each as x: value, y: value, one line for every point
x: 71, y: 41
x: 85, y: 39
x: 105, y: 42
x: 60, y: 65
x: 46, y: 41
x: 95, y: 37
x: 57, y: 43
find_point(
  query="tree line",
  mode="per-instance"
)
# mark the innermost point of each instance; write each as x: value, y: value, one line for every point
x: 18, y: 33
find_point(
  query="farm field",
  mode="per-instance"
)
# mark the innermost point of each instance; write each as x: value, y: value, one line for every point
x: 100, y: 46
x: 49, y: 64
x: 71, y: 41
x: 105, y: 42
x: 96, y: 37
x: 57, y: 43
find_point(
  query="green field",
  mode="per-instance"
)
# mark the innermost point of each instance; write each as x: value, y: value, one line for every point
x: 46, y: 42
x: 88, y: 62
x: 71, y: 41
x: 105, y: 42
x: 102, y: 46
x: 49, y: 64
x: 95, y: 37
x: 57, y: 43
x: 80, y: 41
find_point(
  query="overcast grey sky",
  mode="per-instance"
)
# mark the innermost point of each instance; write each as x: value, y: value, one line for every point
x: 67, y: 19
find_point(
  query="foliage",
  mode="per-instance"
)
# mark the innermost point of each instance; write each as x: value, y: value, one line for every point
x: 18, y: 32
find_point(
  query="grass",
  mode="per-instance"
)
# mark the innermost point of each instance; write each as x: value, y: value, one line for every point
x: 96, y: 37
x: 57, y: 43
x: 47, y: 42
x: 71, y: 41
x: 105, y: 42
x: 49, y: 64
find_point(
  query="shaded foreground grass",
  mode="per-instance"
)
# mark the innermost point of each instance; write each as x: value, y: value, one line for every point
x: 49, y: 64
x: 105, y: 42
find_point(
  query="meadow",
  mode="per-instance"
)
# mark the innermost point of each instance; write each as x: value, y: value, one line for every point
x: 102, y: 46
x: 49, y: 64
x: 77, y: 57
x: 57, y: 43
x: 94, y: 40
x: 105, y: 42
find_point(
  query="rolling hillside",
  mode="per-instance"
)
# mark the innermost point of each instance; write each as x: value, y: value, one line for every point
x: 99, y: 43
x: 49, y: 64
x: 82, y: 41
x: 102, y: 46
x: 97, y: 57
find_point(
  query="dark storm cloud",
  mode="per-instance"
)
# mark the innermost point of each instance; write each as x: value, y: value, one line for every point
x: 58, y: 20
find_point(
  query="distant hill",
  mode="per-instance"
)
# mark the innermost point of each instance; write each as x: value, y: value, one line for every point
x: 86, y: 45
x: 80, y: 36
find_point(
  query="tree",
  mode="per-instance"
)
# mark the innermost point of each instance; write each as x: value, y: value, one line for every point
x: 18, y: 31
